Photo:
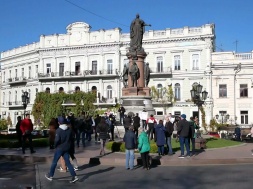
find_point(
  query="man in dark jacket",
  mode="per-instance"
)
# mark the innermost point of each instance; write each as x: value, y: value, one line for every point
x: 63, y: 139
x: 183, y: 128
x: 136, y: 124
x: 18, y: 130
x: 127, y: 122
x: 169, y: 128
x: 121, y: 111
x: 130, y: 144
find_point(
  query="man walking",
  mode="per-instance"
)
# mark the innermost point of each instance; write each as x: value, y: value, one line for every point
x: 130, y: 144
x: 136, y: 124
x: 183, y: 128
x: 63, y: 140
x: 18, y: 131
x: 26, y: 127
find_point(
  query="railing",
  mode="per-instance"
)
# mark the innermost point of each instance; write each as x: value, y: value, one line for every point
x: 243, y: 56
x: 161, y: 70
x: 177, y: 32
x: 195, y: 30
x: 16, y: 79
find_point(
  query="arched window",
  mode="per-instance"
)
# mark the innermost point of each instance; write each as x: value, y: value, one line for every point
x: 159, y: 90
x: 61, y: 89
x: 177, y: 92
x: 109, y: 92
x: 47, y: 90
x: 77, y: 89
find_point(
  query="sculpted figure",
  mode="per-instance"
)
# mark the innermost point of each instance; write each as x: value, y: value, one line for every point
x: 147, y: 73
x: 137, y: 30
x: 125, y: 75
x: 134, y: 73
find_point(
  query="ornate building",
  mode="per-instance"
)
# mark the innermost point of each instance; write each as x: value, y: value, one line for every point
x: 232, y: 83
x: 93, y: 60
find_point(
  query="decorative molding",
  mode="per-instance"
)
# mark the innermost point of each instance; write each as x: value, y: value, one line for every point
x: 195, y: 50
x: 159, y: 52
x: 195, y: 78
x: 177, y: 51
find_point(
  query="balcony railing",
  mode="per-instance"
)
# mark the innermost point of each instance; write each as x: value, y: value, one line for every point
x: 78, y: 74
x: 15, y: 103
x: 16, y: 79
x: 163, y: 70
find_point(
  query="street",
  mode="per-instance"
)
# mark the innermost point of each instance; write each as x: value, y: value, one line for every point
x: 17, y: 175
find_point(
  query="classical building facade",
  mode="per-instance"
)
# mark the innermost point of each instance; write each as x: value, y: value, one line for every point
x: 232, y: 83
x: 93, y: 61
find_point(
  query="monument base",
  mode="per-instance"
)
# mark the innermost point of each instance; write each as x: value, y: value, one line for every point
x: 136, y: 91
x: 135, y: 104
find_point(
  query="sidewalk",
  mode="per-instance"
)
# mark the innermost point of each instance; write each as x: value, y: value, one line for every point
x: 90, y: 155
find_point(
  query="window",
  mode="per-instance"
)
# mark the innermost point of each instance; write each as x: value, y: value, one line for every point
x: 94, y: 67
x: 16, y: 97
x: 36, y: 70
x: 47, y: 90
x: 195, y: 62
x: 9, y: 97
x: 29, y: 95
x: 29, y: 73
x: 48, y: 68
x: 36, y: 90
x: 9, y: 73
x: 3, y: 77
x: 109, y: 66
x: 77, y: 68
x: 177, y: 62
x: 159, y: 113
x: 61, y: 69
x: 109, y: 92
x: 159, y: 61
x: 177, y: 92
x: 3, y: 98
x: 61, y: 89
x: 177, y: 114
x: 23, y: 72
x: 159, y: 90
x: 77, y: 89
x: 244, y: 117
x: 243, y: 90
x: 126, y: 61
x: 222, y: 91
x: 16, y: 73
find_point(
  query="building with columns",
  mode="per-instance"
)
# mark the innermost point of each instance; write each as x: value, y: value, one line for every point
x: 93, y: 61
x: 232, y: 85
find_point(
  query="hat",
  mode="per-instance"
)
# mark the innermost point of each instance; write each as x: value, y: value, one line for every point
x: 183, y: 116
x: 62, y: 120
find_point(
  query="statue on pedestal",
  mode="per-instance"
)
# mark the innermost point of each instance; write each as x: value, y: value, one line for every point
x: 137, y: 30
x: 134, y: 73
x: 125, y: 75
x: 147, y: 74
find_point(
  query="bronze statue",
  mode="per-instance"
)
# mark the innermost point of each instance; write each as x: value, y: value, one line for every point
x: 125, y: 75
x: 134, y: 73
x: 147, y: 73
x: 137, y: 30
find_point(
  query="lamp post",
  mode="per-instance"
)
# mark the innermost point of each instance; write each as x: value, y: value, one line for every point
x: 198, y: 96
x: 222, y: 117
x: 237, y: 70
x: 25, y: 100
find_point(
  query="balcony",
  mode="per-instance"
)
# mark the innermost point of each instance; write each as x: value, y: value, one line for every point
x: 17, y: 80
x: 161, y: 71
x: 15, y: 103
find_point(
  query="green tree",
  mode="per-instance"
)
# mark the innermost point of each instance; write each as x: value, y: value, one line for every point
x: 47, y: 106
x: 3, y: 124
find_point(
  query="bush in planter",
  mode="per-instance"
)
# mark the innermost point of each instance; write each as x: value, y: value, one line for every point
x: 114, y: 146
x: 40, y: 142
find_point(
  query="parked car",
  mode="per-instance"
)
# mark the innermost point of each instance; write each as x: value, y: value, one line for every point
x: 214, y: 134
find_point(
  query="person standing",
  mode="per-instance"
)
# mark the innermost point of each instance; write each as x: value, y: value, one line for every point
x: 144, y: 124
x: 160, y: 137
x: 63, y: 139
x: 121, y: 111
x: 102, y: 130
x: 112, y: 126
x: 97, y: 121
x: 169, y: 128
x: 26, y: 127
x: 130, y: 145
x: 18, y: 131
x: 144, y: 148
x: 151, y: 125
x: 136, y: 124
x: 127, y: 122
x: 183, y: 128
x: 192, y: 134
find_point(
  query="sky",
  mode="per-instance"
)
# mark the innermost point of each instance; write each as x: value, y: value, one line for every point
x: 23, y: 21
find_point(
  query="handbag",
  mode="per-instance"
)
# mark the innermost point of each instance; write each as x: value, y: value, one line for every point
x: 27, y: 132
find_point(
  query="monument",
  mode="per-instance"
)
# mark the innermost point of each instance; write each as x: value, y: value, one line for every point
x: 136, y: 93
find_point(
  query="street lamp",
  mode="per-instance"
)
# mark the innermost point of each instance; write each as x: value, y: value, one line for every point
x: 237, y: 70
x: 222, y: 117
x: 25, y: 100
x: 198, y: 96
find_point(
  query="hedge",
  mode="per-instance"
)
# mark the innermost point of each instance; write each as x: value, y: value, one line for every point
x: 10, y: 143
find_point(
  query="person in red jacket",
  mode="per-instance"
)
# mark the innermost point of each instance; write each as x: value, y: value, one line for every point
x: 26, y: 127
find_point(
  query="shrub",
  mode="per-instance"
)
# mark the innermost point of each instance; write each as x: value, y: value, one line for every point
x: 39, y: 142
